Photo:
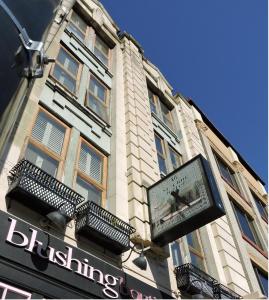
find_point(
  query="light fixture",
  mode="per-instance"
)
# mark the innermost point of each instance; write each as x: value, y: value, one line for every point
x: 139, y: 261
x: 58, y: 218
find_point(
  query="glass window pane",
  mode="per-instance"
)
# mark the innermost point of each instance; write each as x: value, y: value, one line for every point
x: 97, y: 89
x: 41, y: 160
x: 49, y: 132
x: 162, y: 165
x: 64, y: 78
x: 197, y: 261
x: 89, y: 191
x: 101, y: 56
x: 91, y: 163
x: 152, y: 102
x: 80, y: 35
x: 68, y: 62
x: 192, y: 239
x: 244, y: 224
x: 175, y: 158
x: 176, y: 254
x: 159, y: 145
x: 97, y: 107
x: 261, y: 206
x: 263, y: 280
x: 101, y: 45
x: 79, y: 22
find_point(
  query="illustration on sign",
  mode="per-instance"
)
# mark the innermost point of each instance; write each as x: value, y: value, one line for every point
x: 180, y: 197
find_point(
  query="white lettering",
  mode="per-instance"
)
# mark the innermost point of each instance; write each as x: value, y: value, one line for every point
x: 12, y: 232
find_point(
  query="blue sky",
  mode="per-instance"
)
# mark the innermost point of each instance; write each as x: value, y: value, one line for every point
x: 215, y: 52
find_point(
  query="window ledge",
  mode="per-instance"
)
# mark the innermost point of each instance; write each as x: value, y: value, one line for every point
x: 165, y: 126
x: 254, y: 246
x: 58, y: 88
x: 88, y: 50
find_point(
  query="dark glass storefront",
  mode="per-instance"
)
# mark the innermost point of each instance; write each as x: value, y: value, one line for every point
x: 34, y: 264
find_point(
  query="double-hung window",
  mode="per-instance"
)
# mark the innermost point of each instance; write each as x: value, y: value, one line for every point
x: 46, y: 147
x: 91, y: 173
x: 88, y: 36
x: 160, y: 109
x: 261, y: 207
x: 262, y: 278
x: 66, y: 70
x: 168, y: 158
x: 246, y: 224
x: 196, y: 252
x: 101, y: 50
x: 161, y: 154
x: 176, y: 158
x: 176, y: 254
x: 226, y: 172
x: 97, y: 98
x: 78, y: 26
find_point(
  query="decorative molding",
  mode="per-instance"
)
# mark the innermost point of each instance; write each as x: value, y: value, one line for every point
x: 201, y: 125
x: 98, y: 16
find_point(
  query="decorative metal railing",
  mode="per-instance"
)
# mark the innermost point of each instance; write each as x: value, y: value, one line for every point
x: 223, y: 292
x: 103, y: 227
x: 192, y: 280
x: 37, y: 189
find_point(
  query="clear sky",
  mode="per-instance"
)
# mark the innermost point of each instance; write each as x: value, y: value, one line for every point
x: 215, y: 52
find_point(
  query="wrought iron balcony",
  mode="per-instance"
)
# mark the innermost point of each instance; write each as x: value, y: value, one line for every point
x: 37, y: 189
x: 223, y: 292
x: 192, y: 280
x: 96, y: 223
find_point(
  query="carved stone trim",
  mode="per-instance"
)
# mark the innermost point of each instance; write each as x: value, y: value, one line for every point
x: 201, y: 125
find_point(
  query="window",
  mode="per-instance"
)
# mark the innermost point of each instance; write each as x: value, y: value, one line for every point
x: 97, y: 98
x: 9, y: 292
x: 196, y: 252
x: 46, y: 147
x: 81, y: 30
x: 168, y: 158
x: 161, y: 154
x: 160, y: 109
x: 91, y: 173
x: 261, y: 207
x: 77, y: 26
x: 226, y: 172
x: 101, y: 50
x: 262, y: 278
x: 176, y: 254
x: 246, y: 225
x: 175, y: 158
x: 66, y: 70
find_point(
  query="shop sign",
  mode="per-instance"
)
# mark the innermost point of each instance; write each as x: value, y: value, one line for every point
x: 69, y: 264
x: 183, y: 201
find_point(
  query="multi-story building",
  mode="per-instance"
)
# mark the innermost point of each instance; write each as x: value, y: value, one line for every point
x: 103, y: 125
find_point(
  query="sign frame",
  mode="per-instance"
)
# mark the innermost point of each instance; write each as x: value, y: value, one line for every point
x: 214, y: 210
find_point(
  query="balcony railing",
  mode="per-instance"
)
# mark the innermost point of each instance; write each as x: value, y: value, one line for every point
x: 37, y: 189
x: 223, y: 292
x: 96, y: 223
x: 192, y: 280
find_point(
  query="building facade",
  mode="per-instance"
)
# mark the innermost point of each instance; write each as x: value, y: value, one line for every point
x: 103, y: 125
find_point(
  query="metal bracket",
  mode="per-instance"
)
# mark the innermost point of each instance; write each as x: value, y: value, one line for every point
x: 34, y: 49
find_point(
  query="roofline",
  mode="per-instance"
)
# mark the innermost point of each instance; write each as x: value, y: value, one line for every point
x: 226, y: 142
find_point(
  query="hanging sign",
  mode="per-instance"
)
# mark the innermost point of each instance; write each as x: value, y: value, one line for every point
x: 183, y: 201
